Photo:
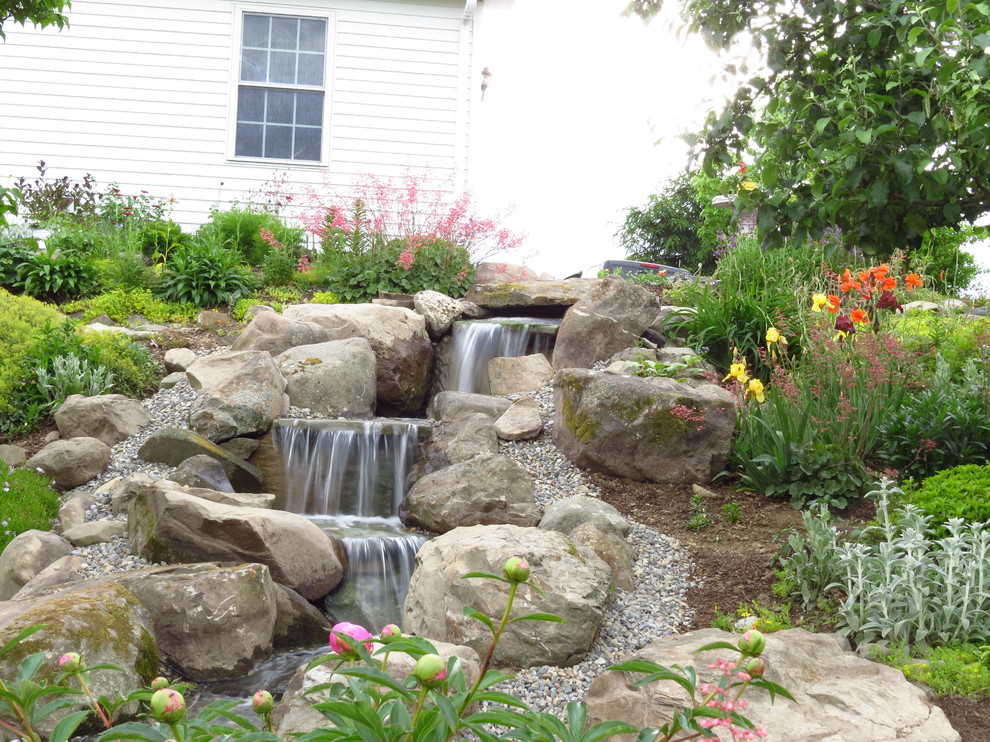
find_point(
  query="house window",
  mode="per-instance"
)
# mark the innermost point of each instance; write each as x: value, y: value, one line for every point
x: 281, y: 89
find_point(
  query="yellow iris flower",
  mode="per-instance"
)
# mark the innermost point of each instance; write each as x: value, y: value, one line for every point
x: 755, y: 389
x: 737, y: 371
x: 818, y: 301
x: 773, y: 335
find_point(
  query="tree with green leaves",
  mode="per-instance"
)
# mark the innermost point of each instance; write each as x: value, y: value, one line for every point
x: 678, y: 225
x: 870, y: 116
x: 41, y: 13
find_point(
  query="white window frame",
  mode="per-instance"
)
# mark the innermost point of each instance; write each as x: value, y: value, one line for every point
x: 294, y: 11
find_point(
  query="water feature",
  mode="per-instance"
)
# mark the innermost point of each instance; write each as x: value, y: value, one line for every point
x: 476, y: 342
x: 350, y: 477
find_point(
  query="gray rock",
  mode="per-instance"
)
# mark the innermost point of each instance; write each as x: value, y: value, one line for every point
x: 62, y: 571
x: 648, y: 429
x: 522, y: 295
x: 241, y: 393
x: 611, y: 317
x: 574, y: 581
x: 172, y: 446
x: 447, y: 405
x: 237, y: 499
x: 210, y: 622
x: 242, y: 448
x: 72, y: 462
x: 521, y: 422
x: 204, y: 471
x: 439, y: 311
x: 179, y: 359
x: 519, y: 375
x: 485, y: 490
x: 458, y: 439
x: 95, y: 532
x: 611, y: 548
x: 400, y: 342
x: 73, y: 510
x: 168, y: 526
x: 298, y: 623
x: 567, y: 514
x: 276, y: 334
x: 336, y: 378
x: 839, y: 696
x: 172, y: 379
x: 25, y: 556
x: 12, y: 455
x: 104, y: 623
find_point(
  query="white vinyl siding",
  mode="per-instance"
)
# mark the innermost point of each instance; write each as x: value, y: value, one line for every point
x: 144, y: 95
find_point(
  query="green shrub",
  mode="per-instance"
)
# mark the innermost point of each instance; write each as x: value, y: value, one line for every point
x: 959, y: 670
x: 22, y: 320
x: 324, y: 297
x: 240, y: 229
x: 82, y: 239
x: 120, y: 303
x: 29, y: 503
x: 12, y: 256
x: 205, y: 275
x: 959, y: 492
x: 57, y: 276
x: 954, y: 337
x: 279, y: 267
x: 941, y: 426
x: 136, y: 374
x: 70, y: 375
x: 396, y: 266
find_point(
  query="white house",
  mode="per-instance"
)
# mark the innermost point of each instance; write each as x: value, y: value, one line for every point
x: 204, y: 100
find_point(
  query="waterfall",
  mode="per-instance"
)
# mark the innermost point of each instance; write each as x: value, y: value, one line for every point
x: 350, y: 478
x: 476, y: 342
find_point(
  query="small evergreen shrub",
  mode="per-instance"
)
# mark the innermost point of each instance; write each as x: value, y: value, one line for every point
x: 136, y: 374
x: 29, y: 503
x: 324, y: 297
x: 159, y: 239
x: 960, y: 492
x: 126, y: 270
x: 121, y: 303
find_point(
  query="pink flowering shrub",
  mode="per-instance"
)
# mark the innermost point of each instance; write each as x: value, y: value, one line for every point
x: 402, y: 237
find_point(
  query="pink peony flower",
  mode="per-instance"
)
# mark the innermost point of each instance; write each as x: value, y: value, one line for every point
x: 358, y: 633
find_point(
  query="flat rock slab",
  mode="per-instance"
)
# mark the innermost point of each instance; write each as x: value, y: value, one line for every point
x: 525, y: 294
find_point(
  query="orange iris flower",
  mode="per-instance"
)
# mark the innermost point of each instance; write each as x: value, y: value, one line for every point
x: 848, y: 284
x: 858, y: 315
x: 911, y: 280
x: 864, y: 276
x: 888, y: 283
x: 880, y: 272
x: 833, y: 303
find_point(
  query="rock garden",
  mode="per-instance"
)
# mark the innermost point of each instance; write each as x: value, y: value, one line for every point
x: 168, y: 538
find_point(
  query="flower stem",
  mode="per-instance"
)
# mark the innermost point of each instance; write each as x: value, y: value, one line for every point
x: 513, y: 586
x: 96, y: 705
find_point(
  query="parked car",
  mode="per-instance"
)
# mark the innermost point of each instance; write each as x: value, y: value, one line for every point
x: 633, y: 267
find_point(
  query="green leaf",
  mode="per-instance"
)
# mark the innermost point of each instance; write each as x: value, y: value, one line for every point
x: 921, y: 56
x: 864, y: 135
x: 472, y: 613
x: 539, y: 617
x: 873, y: 38
x: 822, y: 123
x: 67, y: 726
x: 486, y: 575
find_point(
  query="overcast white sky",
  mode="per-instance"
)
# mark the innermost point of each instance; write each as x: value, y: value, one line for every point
x: 567, y: 132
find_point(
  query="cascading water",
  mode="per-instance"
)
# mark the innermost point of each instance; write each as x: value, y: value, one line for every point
x: 476, y: 342
x: 350, y: 478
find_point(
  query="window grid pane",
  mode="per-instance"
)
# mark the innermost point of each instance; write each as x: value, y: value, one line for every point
x: 279, y: 122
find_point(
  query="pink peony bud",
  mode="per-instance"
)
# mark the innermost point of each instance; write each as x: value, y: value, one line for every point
x: 516, y: 569
x: 430, y: 670
x: 352, y: 630
x: 752, y: 643
x: 755, y: 666
x: 159, y: 683
x: 263, y: 702
x: 389, y: 634
x: 168, y: 705
x: 69, y: 662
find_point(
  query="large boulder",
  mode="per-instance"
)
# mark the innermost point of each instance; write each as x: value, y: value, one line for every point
x: 840, y: 697
x: 202, y: 470
x: 72, y: 462
x: 648, y: 429
x: 458, y: 439
x: 240, y: 393
x: 210, y: 622
x: 276, y: 334
x: 448, y: 405
x: 519, y: 375
x: 521, y: 422
x: 611, y: 317
x: 485, y: 490
x: 173, y: 527
x: 399, y: 339
x: 26, y: 555
x: 336, y: 378
x: 109, y: 417
x: 567, y: 514
x: 523, y: 295
x: 575, y: 585
x: 172, y: 446
x: 103, y: 622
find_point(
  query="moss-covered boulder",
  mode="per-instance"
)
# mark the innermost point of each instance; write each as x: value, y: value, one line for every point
x: 647, y: 429
x: 513, y: 295
x: 103, y: 622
